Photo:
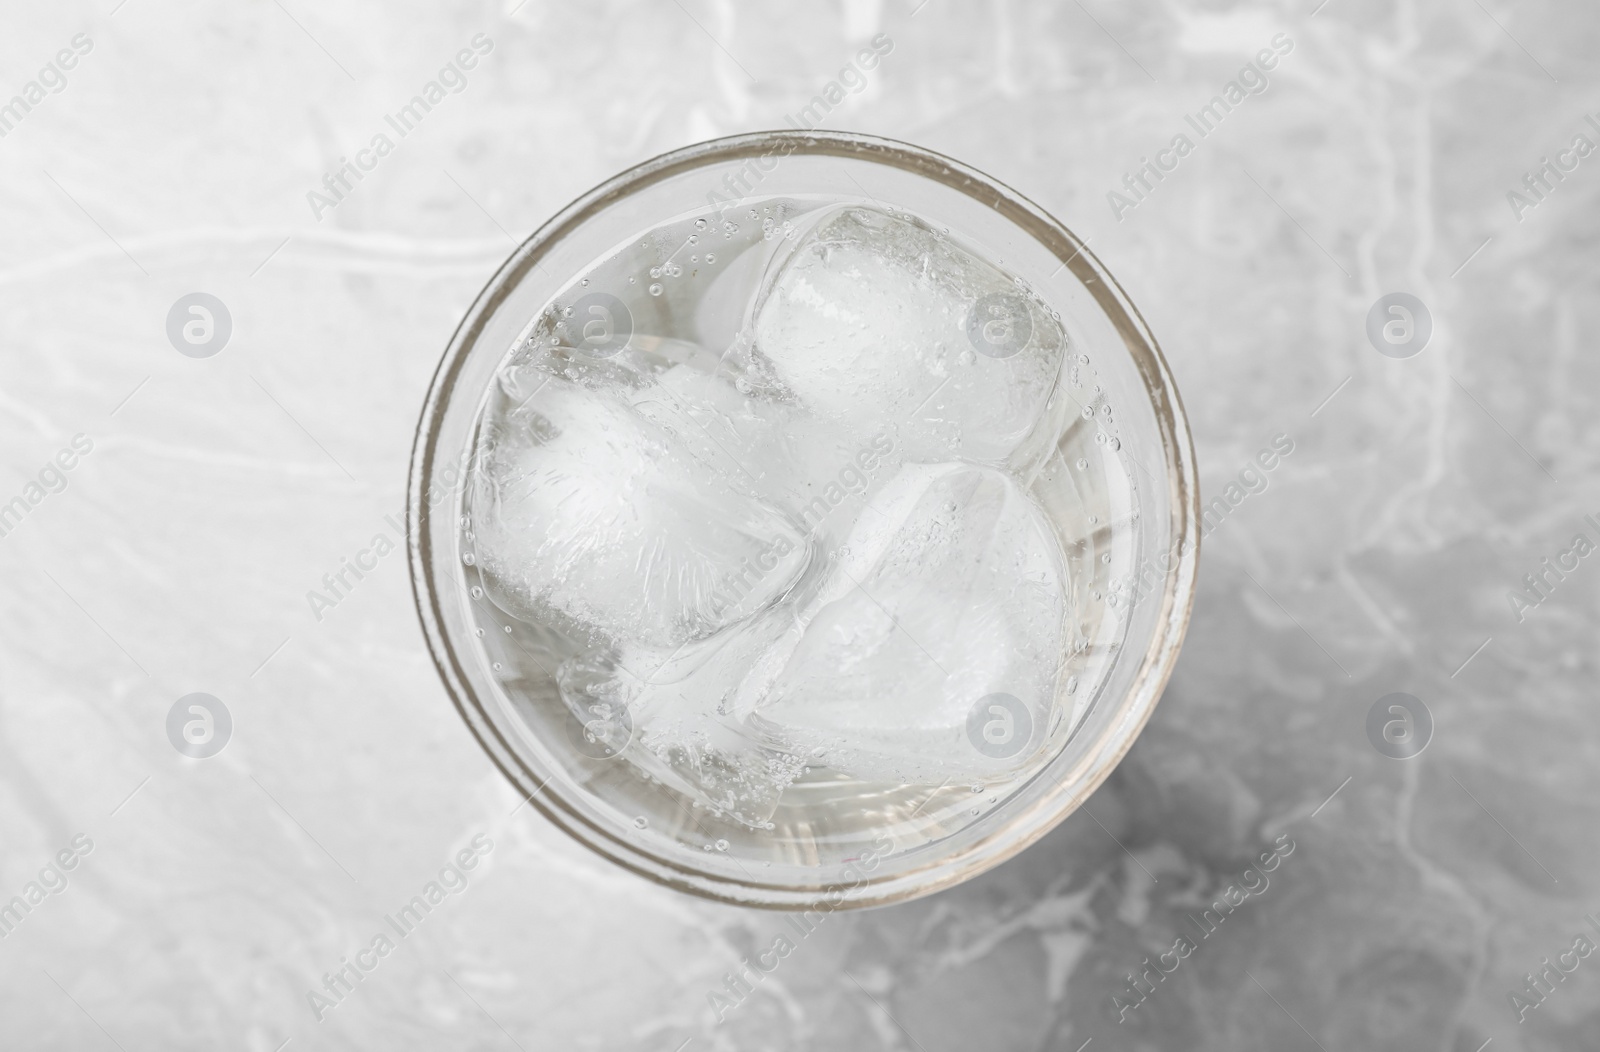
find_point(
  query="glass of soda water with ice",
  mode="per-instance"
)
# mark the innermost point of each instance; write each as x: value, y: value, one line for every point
x: 804, y: 520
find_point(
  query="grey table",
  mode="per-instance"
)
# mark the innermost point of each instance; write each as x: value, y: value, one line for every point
x: 181, y: 148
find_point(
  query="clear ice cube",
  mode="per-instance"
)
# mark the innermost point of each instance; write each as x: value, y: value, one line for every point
x: 873, y: 316
x: 950, y: 591
x: 611, y: 510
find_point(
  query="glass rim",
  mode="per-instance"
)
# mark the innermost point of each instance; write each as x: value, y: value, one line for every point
x: 1133, y: 708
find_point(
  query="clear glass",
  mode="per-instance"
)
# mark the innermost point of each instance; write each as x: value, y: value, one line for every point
x: 1118, y: 491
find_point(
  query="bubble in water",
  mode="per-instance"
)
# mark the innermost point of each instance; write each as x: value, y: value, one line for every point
x: 477, y: 593
x: 1072, y: 684
x: 655, y: 289
x: 480, y: 632
x: 694, y: 239
x: 975, y: 787
x: 497, y: 666
x: 1082, y: 463
x: 711, y: 257
x: 469, y: 558
x: 655, y: 272
x: 641, y: 822
x: 722, y: 845
x: 818, y: 752
x: 585, y: 283
x: 1114, y: 443
x: 1088, y: 412
x: 508, y: 630
x: 1106, y: 558
x: 699, y: 224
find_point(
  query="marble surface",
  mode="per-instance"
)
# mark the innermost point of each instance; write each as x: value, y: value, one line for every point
x: 207, y: 898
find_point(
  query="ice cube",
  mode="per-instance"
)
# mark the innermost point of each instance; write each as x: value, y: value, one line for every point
x: 679, y: 732
x: 945, y: 614
x: 608, y: 510
x: 873, y: 317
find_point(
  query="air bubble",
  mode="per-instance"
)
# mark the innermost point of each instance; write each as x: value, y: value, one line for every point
x: 655, y: 289
x: 641, y: 822
x: 655, y: 272
x: 469, y: 558
x: 477, y: 593
x: 508, y: 629
x: 497, y: 666
x: 1114, y: 444
x: 1082, y: 463
x: 699, y: 224
x: 722, y: 845
x: 711, y: 257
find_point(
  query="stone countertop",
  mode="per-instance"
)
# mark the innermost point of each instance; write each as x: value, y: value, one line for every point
x: 172, y: 150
